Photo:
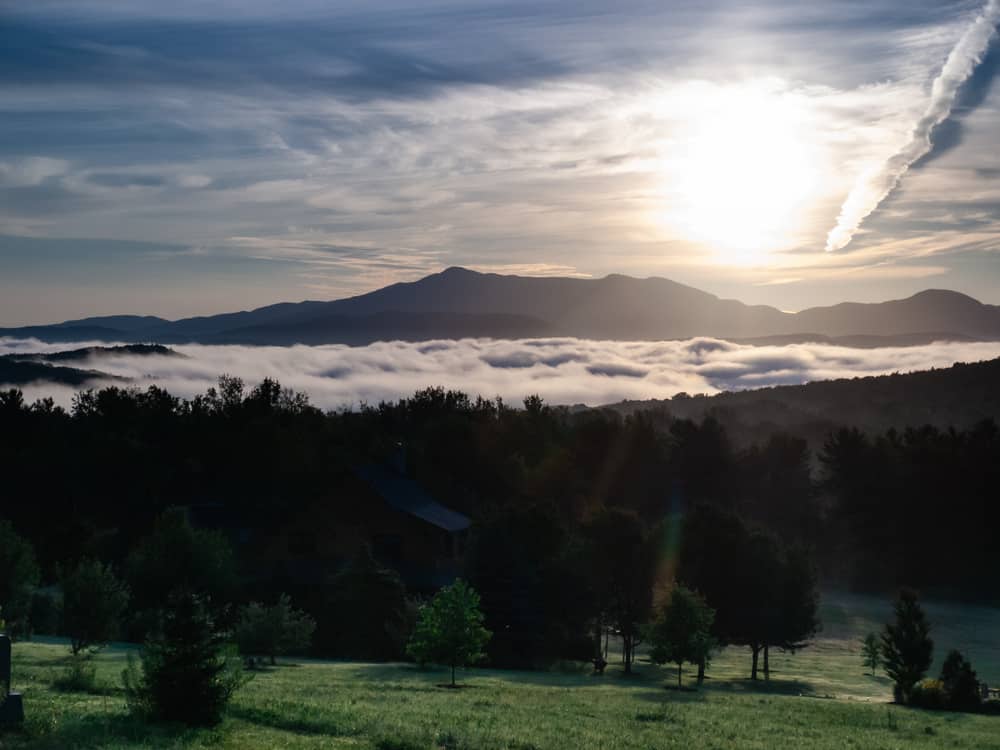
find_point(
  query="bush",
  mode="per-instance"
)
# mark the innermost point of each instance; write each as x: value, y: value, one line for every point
x: 929, y: 693
x: 185, y: 674
x: 270, y: 631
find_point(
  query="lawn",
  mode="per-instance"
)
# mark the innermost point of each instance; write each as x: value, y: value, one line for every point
x: 818, y: 698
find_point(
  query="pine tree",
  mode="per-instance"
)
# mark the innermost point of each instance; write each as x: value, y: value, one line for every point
x: 185, y: 674
x: 907, y: 648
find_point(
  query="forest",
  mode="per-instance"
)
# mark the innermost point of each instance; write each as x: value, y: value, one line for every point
x: 579, y: 517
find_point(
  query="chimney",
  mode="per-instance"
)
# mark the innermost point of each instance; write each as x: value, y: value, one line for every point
x: 399, y: 459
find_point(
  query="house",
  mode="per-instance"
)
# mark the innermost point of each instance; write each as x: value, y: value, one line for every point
x: 378, y: 506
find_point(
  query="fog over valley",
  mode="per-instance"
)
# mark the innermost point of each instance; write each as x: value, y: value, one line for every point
x: 560, y: 370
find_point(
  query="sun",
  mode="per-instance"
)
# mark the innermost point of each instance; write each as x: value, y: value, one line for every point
x: 740, y: 173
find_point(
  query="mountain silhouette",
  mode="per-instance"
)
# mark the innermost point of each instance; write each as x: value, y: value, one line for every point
x: 459, y: 303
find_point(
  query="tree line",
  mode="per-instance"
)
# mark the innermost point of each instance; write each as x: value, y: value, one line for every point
x: 583, y: 519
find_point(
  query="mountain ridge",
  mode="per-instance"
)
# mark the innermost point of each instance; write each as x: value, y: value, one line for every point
x: 460, y: 303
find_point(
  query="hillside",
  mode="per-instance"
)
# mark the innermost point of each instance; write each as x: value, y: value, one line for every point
x: 958, y: 396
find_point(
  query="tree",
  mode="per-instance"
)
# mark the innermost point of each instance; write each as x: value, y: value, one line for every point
x: 907, y: 648
x: 450, y: 629
x: 185, y: 675
x: 794, y: 618
x: 683, y: 630
x: 19, y: 575
x: 274, y: 630
x: 366, y: 613
x: 871, y: 652
x: 178, y: 557
x: 961, y: 685
x: 94, y: 600
x: 624, y: 561
x: 764, y: 592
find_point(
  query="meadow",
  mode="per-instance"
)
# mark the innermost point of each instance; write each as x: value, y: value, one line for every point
x: 817, y: 698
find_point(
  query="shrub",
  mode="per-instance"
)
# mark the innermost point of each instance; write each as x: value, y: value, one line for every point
x: 185, y: 674
x: 274, y: 630
x: 928, y: 693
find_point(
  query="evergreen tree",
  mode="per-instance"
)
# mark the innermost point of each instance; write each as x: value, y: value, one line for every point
x: 907, y: 648
x: 185, y: 675
x: 450, y: 629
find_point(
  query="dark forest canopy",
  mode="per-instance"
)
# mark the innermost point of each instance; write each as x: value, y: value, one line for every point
x: 915, y: 505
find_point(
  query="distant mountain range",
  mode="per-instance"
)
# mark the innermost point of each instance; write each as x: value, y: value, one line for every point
x: 458, y: 303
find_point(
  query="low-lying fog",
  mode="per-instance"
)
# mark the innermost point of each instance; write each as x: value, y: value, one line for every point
x: 562, y: 371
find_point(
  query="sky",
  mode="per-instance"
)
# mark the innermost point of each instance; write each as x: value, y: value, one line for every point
x: 196, y: 157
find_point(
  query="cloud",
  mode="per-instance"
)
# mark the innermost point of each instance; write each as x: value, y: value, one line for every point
x: 873, y: 188
x: 562, y: 371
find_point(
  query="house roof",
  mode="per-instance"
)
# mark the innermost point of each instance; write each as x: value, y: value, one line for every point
x: 405, y: 495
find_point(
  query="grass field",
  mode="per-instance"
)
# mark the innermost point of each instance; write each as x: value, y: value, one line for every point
x: 818, y: 698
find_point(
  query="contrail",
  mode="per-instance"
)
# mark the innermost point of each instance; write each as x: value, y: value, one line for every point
x: 873, y: 187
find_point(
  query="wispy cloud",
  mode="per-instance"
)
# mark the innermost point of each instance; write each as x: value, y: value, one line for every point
x: 873, y: 188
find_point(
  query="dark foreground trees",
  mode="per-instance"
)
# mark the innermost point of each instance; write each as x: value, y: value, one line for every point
x: 623, y: 557
x: 764, y: 592
x: 907, y: 648
x: 185, y: 674
x: 450, y: 629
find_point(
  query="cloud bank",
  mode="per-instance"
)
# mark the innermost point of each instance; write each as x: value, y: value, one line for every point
x: 874, y: 188
x: 562, y: 371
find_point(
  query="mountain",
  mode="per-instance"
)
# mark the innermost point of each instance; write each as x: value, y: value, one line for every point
x: 458, y: 303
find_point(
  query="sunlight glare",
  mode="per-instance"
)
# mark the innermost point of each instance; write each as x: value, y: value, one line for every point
x: 740, y: 173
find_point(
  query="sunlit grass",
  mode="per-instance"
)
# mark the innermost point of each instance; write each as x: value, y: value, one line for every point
x: 817, y: 698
